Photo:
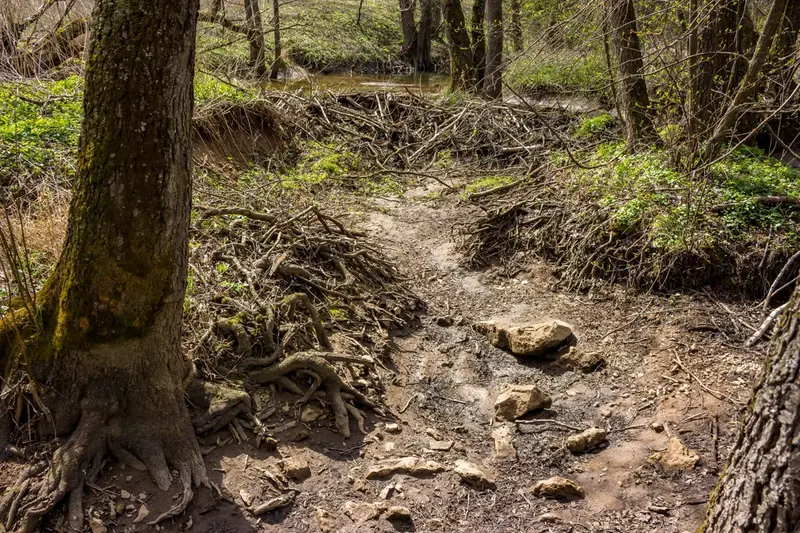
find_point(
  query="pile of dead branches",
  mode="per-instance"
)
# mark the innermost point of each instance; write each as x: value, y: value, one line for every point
x: 406, y: 132
x: 289, y: 300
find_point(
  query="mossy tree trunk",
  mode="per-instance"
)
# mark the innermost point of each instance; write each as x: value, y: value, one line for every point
x: 478, y: 37
x: 493, y: 80
x: 108, y: 353
x: 633, y: 88
x: 462, y: 69
x: 758, y: 492
x: 255, y: 37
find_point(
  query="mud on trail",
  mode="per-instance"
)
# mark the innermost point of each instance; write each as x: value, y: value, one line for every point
x: 663, y: 367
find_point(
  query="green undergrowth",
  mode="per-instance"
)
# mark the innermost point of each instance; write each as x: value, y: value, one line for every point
x: 320, y: 36
x: 485, y: 183
x: 561, y: 72
x: 39, y: 129
x: 705, y: 225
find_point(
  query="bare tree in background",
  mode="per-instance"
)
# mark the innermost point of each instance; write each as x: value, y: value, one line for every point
x: 633, y: 88
x: 478, y: 37
x: 277, y: 62
x: 515, y: 28
x: 493, y: 80
x: 462, y: 68
x: 255, y: 37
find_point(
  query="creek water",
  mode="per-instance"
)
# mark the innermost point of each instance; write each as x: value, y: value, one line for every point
x: 425, y: 83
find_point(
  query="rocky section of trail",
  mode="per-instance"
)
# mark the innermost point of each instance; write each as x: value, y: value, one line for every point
x: 615, y: 413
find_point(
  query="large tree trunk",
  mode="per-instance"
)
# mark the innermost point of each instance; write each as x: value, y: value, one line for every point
x: 409, y: 27
x: 462, y: 70
x: 108, y: 348
x: 515, y: 28
x: 277, y: 62
x: 724, y: 39
x: 478, y: 38
x: 633, y: 88
x: 758, y: 492
x: 255, y: 37
x: 493, y: 81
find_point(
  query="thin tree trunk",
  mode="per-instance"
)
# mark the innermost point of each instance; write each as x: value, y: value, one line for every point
x: 255, y: 37
x: 478, y: 38
x: 633, y: 88
x: 462, y: 70
x: 747, y: 86
x: 277, y: 62
x: 758, y: 491
x: 422, y: 61
x: 515, y: 29
x: 409, y: 27
x: 108, y: 347
x: 493, y: 82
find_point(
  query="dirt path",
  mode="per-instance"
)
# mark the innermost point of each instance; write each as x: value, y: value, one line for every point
x: 442, y: 381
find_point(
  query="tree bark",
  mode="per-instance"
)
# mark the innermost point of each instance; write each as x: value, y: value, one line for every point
x: 722, y: 45
x: 784, y: 62
x: 633, y: 88
x: 758, y: 492
x: 107, y: 350
x: 515, y: 28
x: 747, y: 86
x: 462, y: 69
x: 493, y: 81
x: 422, y: 61
x: 409, y: 27
x: 478, y: 38
x: 255, y: 37
x: 277, y: 62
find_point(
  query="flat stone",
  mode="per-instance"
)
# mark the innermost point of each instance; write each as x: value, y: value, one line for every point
x: 526, y: 339
x: 386, y: 493
x: 125, y: 494
x: 295, y: 468
x: 677, y: 456
x: 504, y: 443
x: 398, y: 513
x: 391, y: 428
x: 585, y: 440
x: 558, y: 488
x: 517, y: 400
x: 580, y: 361
x: 311, y: 412
x: 412, y: 466
x: 440, y: 445
x: 473, y: 475
x: 247, y: 497
x: 549, y: 518
x: 360, y: 512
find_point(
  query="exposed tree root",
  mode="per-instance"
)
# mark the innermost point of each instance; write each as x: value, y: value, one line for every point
x: 334, y: 385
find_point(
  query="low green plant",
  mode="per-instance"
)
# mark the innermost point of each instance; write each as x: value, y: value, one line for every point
x: 486, y: 183
x: 594, y: 125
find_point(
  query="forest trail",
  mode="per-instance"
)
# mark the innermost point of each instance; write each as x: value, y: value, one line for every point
x: 442, y: 380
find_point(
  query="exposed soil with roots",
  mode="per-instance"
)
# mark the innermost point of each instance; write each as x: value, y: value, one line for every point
x: 314, y: 328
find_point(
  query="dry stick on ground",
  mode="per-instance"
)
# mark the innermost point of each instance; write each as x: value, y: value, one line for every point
x: 765, y: 325
x: 776, y: 284
x: 716, y: 394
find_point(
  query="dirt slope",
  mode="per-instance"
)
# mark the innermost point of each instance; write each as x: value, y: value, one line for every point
x: 442, y: 382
